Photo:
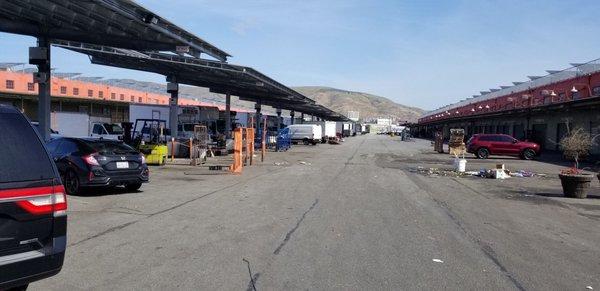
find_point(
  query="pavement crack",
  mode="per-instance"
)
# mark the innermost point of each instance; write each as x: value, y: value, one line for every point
x: 289, y: 234
x: 487, y: 250
x: 253, y: 278
x: 112, y: 229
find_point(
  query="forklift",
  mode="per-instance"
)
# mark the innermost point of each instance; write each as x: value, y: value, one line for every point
x: 149, y: 136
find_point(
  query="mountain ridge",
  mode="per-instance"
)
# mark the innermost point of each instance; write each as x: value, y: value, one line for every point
x: 368, y: 105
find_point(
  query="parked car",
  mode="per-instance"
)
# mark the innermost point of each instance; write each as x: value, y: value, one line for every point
x: 86, y: 162
x: 305, y: 133
x: 484, y: 145
x: 33, y: 218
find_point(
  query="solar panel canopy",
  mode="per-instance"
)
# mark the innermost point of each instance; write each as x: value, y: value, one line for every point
x: 219, y: 77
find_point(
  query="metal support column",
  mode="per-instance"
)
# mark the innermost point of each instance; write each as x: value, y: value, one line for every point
x: 40, y: 56
x: 302, y: 118
x: 173, y: 88
x: 278, y: 110
x: 228, y: 115
x: 257, y: 118
x: 292, y: 117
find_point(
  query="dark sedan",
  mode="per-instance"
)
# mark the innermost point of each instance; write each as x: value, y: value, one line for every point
x: 85, y: 163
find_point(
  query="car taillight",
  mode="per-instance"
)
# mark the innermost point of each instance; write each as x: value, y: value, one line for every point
x: 39, y: 200
x: 91, y: 160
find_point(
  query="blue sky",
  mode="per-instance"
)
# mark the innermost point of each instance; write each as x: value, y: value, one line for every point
x: 422, y: 53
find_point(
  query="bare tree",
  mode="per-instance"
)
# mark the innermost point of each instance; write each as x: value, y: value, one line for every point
x: 576, y: 145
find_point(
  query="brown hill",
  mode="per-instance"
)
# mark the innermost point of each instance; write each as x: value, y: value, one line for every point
x: 369, y: 106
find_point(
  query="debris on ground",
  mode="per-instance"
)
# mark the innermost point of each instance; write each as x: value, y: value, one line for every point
x: 523, y: 173
x: 498, y: 173
x: 281, y: 163
x: 305, y: 163
x: 438, y: 261
x: 589, y: 287
x: 434, y: 172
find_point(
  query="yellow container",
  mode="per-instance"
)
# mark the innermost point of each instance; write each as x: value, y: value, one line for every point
x: 155, y: 154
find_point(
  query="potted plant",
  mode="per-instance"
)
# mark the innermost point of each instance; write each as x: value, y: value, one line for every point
x: 575, y: 146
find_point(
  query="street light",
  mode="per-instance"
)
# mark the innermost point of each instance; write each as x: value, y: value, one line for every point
x: 574, y: 90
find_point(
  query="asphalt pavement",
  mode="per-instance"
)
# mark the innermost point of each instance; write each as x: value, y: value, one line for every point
x: 355, y: 216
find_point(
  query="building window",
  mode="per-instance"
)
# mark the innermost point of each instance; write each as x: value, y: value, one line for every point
x: 596, y: 91
x: 100, y: 94
x: 113, y: 96
x: 106, y: 111
x: 562, y: 97
x: 75, y: 91
x: 63, y: 89
x: 140, y: 99
x: 122, y: 97
x: 90, y: 93
x: 30, y: 87
x: 10, y: 84
x: 132, y: 98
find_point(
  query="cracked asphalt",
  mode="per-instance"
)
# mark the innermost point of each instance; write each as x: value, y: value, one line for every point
x: 354, y: 216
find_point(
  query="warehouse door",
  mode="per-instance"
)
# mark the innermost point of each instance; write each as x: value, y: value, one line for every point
x: 538, y: 135
x: 561, y: 131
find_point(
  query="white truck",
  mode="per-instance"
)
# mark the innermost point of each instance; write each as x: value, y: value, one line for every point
x: 305, y: 133
x: 76, y: 124
x: 328, y: 129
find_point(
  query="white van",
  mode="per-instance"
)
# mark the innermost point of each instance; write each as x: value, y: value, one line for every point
x: 305, y: 133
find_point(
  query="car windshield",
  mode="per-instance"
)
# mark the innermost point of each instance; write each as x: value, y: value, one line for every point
x: 113, y: 128
x: 105, y: 147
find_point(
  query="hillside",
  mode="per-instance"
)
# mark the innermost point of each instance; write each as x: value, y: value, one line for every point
x: 369, y: 106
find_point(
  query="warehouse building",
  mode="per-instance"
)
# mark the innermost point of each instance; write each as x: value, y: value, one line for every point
x: 541, y: 109
x: 89, y: 95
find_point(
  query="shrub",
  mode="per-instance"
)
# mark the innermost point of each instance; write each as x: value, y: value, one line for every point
x: 576, y: 145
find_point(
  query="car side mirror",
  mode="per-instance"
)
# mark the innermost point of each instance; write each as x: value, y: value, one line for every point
x: 515, y: 141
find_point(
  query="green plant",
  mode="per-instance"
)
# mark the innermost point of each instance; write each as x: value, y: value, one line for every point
x: 575, y: 146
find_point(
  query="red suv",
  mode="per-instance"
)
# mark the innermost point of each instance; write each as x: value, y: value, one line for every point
x: 484, y: 145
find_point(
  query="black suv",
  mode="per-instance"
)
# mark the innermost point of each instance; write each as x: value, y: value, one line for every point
x: 33, y: 218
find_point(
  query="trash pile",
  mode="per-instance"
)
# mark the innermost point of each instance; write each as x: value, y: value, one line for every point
x: 500, y: 172
x: 436, y: 172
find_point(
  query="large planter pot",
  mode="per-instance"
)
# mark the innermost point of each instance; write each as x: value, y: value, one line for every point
x: 575, y: 186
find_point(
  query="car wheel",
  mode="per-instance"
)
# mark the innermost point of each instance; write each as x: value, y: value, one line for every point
x: 483, y: 153
x: 305, y: 141
x: 72, y: 185
x: 528, y: 154
x: 133, y: 186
